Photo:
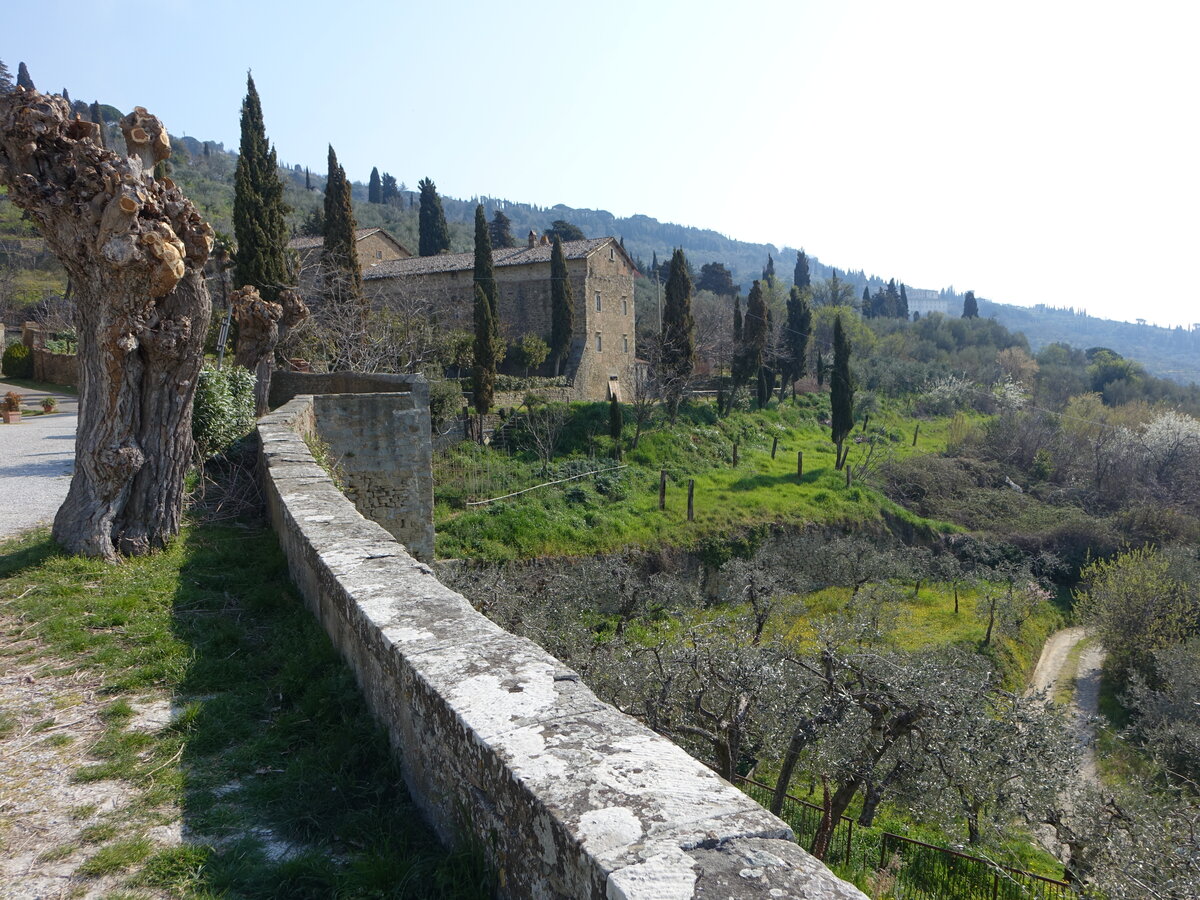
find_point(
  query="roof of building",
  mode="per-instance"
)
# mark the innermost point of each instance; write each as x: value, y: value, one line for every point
x: 508, y: 256
x: 314, y: 243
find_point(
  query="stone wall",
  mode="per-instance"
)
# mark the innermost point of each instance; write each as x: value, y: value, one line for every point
x: 376, y: 248
x: 524, y: 305
x: 498, y: 740
x: 55, y: 368
x: 286, y: 384
x: 382, y: 448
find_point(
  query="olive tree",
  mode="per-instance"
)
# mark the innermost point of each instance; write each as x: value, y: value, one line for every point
x: 134, y: 247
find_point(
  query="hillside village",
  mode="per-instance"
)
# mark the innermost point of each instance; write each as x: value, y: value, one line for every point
x: 885, y: 568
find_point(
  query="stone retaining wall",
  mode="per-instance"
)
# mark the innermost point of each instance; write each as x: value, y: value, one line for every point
x: 499, y: 740
x: 55, y: 368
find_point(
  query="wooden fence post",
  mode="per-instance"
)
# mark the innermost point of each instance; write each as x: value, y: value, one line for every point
x: 799, y: 463
x: 691, y: 494
x: 662, y: 489
x: 735, y: 454
x: 774, y: 445
x: 916, y: 431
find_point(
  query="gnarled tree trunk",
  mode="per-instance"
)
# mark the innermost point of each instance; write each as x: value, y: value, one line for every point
x: 134, y: 248
x: 261, y: 325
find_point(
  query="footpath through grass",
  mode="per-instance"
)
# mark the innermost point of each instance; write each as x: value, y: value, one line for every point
x: 619, y: 510
x: 284, y: 785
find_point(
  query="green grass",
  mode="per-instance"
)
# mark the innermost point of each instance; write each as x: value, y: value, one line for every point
x: 272, y: 742
x: 580, y: 518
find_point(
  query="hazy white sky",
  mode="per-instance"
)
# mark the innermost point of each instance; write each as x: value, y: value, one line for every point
x: 1036, y: 152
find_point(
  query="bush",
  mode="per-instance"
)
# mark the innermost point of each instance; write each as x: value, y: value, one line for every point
x: 18, y: 361
x: 445, y: 402
x: 223, y: 410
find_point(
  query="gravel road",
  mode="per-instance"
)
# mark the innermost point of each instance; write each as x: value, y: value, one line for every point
x: 36, y: 460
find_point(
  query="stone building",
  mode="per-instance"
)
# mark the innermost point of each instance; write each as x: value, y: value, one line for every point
x: 925, y: 302
x: 374, y: 246
x: 601, y: 359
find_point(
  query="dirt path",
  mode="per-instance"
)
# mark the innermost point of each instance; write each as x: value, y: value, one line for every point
x: 1053, y: 667
x: 51, y: 824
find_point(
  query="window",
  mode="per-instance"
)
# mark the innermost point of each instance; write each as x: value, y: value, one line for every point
x: 612, y: 254
x: 599, y: 343
x: 597, y: 301
x: 379, y: 254
x: 625, y: 342
x: 624, y: 307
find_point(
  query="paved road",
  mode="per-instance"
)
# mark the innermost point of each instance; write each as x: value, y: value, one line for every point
x: 36, y: 460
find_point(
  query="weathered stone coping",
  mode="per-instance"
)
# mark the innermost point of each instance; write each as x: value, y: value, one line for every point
x: 500, y: 741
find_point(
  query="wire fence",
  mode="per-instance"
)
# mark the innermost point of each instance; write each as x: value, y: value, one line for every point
x: 925, y: 871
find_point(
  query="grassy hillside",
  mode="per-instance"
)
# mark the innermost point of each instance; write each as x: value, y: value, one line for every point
x: 619, y: 509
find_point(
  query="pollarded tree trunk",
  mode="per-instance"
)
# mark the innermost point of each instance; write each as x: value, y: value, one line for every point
x: 261, y: 325
x: 134, y: 248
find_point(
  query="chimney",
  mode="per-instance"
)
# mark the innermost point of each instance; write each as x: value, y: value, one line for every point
x: 532, y: 238
x: 545, y: 240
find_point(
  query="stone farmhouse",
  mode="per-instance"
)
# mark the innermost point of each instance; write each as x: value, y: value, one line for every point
x: 374, y: 246
x: 600, y: 363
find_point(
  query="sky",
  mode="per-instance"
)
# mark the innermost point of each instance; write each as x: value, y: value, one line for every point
x: 1034, y: 152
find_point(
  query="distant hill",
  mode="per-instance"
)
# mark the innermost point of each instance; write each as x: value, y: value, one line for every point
x: 1166, y: 352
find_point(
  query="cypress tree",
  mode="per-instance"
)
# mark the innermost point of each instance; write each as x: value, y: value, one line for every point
x: 562, y: 307
x: 616, y: 423
x: 678, y: 331
x: 868, y: 307
x: 902, y: 310
x: 258, y: 208
x: 483, y: 375
x: 970, y: 306
x: 755, y: 330
x: 434, y: 233
x: 801, y: 277
x: 66, y: 96
x: 820, y: 369
x: 841, y: 393
x: 307, y: 177
x: 374, y: 187
x: 485, y: 277
x: 892, y: 301
x: 6, y: 82
x: 769, y: 271
x: 737, y: 321
x: 501, y: 229
x: 795, y: 338
x: 23, y: 79
x: 339, y: 255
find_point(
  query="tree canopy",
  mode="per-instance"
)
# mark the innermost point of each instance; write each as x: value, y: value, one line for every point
x: 501, y: 231
x: 565, y: 231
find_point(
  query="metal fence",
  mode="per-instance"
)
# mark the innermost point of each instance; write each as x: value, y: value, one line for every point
x: 926, y: 871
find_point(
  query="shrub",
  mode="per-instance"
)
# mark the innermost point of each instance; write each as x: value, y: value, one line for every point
x: 18, y: 361
x: 62, y: 345
x: 223, y: 410
x: 11, y: 402
x: 445, y: 401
